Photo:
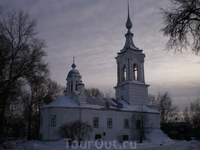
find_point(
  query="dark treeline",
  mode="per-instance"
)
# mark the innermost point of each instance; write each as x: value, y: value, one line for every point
x: 170, y: 113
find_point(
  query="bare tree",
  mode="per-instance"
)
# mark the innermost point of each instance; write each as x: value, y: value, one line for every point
x: 83, y: 130
x: 13, y: 115
x: 93, y: 92
x: 67, y: 131
x: 36, y: 93
x: 78, y: 129
x: 182, y: 25
x: 140, y: 125
x: 195, y: 117
x: 109, y: 94
x: 41, y: 91
x: 98, y: 93
x: 186, y: 114
x: 24, y: 76
x: 195, y: 112
x: 21, y: 54
x: 152, y: 99
x: 167, y: 110
x: 53, y: 90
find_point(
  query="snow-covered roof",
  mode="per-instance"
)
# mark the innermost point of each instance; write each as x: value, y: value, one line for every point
x: 63, y: 101
x: 99, y: 103
x: 145, y: 108
x: 66, y: 101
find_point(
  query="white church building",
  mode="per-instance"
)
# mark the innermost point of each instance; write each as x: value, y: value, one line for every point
x: 108, y: 117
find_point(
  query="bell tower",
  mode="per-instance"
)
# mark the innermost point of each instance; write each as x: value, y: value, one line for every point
x: 131, y: 85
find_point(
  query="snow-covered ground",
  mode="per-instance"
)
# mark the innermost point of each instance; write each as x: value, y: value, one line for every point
x: 156, y: 140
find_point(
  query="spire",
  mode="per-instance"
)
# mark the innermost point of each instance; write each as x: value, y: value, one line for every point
x: 73, y: 65
x: 128, y: 22
x: 129, y: 36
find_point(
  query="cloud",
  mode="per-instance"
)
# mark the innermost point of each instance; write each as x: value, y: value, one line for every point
x: 93, y: 32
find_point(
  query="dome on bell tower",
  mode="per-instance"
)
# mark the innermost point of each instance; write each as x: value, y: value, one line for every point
x: 73, y: 80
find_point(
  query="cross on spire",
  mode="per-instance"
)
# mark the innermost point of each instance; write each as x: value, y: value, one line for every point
x: 73, y: 65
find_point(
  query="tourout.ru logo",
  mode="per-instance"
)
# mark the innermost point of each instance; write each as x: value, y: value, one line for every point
x: 100, y: 144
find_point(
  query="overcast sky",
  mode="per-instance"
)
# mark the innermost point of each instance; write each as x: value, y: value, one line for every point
x: 93, y: 31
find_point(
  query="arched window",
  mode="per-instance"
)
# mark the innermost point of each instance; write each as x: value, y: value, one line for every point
x: 71, y: 86
x: 135, y: 72
x: 124, y: 73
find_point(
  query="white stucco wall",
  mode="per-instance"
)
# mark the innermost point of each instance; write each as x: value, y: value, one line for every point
x: 134, y: 93
x: 66, y: 115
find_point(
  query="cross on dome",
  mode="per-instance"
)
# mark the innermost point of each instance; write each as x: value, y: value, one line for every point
x: 73, y: 65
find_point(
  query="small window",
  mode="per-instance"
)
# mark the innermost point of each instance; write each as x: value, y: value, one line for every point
x: 95, y: 122
x: 97, y: 136
x: 53, y: 120
x: 125, y: 137
x: 126, y: 124
x: 109, y: 123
